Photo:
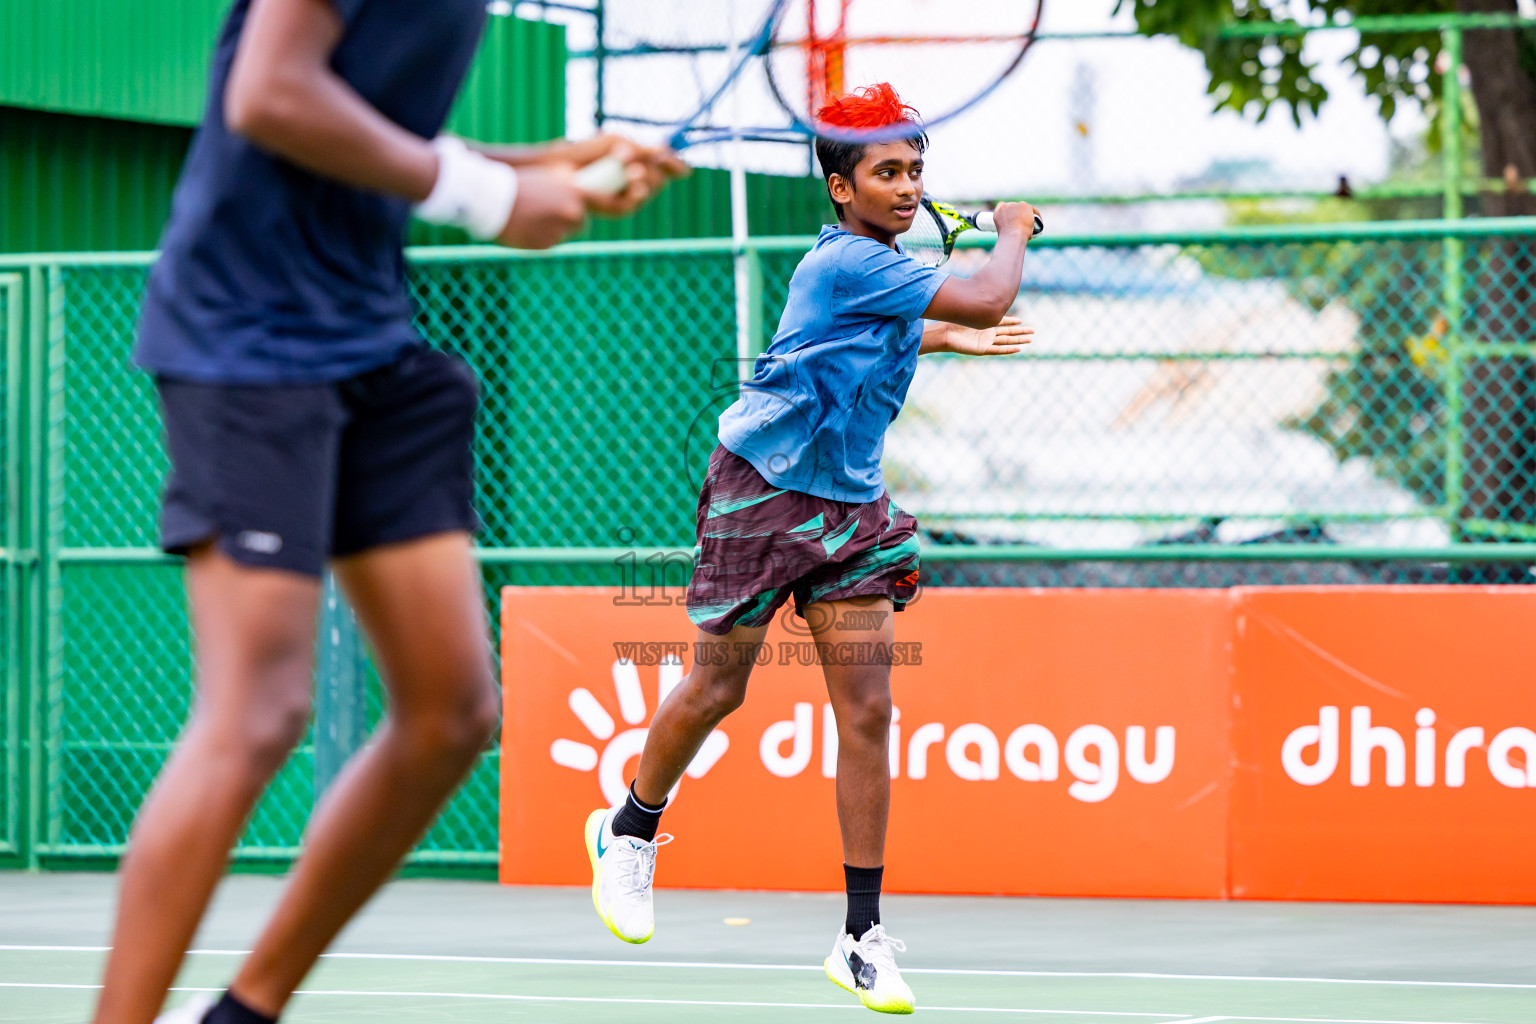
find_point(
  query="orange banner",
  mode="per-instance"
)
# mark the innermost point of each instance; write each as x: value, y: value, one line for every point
x: 1047, y: 742
x: 1384, y: 744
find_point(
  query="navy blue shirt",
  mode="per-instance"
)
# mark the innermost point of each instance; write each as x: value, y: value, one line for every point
x: 271, y: 274
x: 814, y: 415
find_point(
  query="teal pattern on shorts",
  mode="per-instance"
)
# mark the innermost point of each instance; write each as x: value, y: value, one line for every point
x: 760, y: 545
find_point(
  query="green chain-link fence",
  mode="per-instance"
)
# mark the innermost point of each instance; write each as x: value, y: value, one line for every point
x: 1345, y: 404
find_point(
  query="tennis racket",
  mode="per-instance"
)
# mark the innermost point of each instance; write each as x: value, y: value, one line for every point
x: 938, y: 225
x: 675, y: 61
x: 945, y: 55
x: 711, y: 71
x: 668, y: 64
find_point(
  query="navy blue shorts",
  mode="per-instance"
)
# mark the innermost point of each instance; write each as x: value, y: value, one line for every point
x: 288, y: 476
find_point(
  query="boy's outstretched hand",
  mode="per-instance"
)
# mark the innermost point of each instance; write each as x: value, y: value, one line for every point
x: 1008, y: 337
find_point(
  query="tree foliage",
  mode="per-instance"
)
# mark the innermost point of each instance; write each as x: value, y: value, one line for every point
x: 1252, y: 75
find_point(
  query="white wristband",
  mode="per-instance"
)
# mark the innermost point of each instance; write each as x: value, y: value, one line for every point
x: 472, y: 191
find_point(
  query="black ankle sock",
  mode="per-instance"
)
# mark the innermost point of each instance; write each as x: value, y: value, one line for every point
x: 863, y: 898
x: 637, y: 819
x: 230, y: 1010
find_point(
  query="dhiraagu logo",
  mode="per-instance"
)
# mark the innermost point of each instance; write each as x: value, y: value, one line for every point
x: 974, y: 752
x: 610, y: 750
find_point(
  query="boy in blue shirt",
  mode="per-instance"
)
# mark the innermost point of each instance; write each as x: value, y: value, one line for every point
x: 794, y: 505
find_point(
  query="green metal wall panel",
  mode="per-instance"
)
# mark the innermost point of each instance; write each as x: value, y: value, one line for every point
x: 147, y: 60
x: 71, y: 183
x: 516, y: 89
x: 84, y: 183
x: 142, y: 60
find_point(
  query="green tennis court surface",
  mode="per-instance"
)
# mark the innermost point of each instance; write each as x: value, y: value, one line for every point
x: 431, y: 951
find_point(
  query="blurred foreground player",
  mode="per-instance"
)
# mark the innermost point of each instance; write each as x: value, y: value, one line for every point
x: 309, y: 425
x: 794, y: 506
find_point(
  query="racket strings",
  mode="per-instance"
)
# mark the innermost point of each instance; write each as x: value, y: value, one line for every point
x: 929, y: 240
x: 824, y: 56
x: 759, y: 70
x: 942, y: 57
x: 663, y: 58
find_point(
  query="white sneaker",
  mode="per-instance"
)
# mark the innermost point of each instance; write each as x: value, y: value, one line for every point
x: 867, y: 968
x: 190, y: 1012
x: 623, y: 869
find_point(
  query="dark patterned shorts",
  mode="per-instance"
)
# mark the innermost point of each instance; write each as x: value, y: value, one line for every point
x: 759, y: 545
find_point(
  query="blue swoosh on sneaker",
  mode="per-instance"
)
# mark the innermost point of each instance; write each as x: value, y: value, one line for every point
x: 601, y: 849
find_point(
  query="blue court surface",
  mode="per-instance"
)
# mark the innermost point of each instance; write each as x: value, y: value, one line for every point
x: 430, y: 951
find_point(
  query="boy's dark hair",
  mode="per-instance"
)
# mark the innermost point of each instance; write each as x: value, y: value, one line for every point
x: 839, y: 157
x: 876, y: 106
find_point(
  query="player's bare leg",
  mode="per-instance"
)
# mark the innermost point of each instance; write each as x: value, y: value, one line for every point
x: 863, y: 957
x: 692, y: 710
x: 622, y: 842
x: 255, y: 648
x: 861, y: 700
x: 420, y: 604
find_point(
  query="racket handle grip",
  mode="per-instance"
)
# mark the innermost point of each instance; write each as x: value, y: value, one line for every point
x: 606, y: 176
x: 985, y: 221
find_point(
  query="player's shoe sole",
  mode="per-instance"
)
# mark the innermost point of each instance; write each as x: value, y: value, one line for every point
x: 594, y: 829
x: 839, y: 975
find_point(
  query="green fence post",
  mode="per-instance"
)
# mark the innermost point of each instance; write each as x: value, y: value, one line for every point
x: 340, y: 709
x: 755, y: 324
x: 40, y: 341
x: 599, y: 61
x: 30, y: 457
x: 49, y: 534
x: 1452, y: 254
x: 15, y: 666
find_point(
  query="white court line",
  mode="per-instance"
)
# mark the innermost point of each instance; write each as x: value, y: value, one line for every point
x: 1316, y: 1020
x: 1154, y: 976
x: 1171, y: 1018
x: 625, y: 1001
x: 709, y: 965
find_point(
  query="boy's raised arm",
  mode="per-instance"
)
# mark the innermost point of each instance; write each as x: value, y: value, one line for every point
x: 983, y: 299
